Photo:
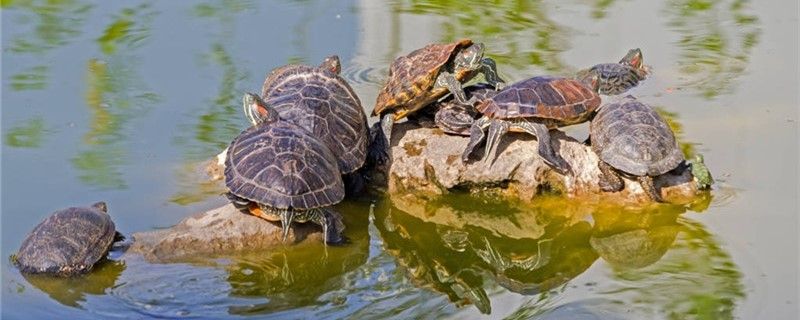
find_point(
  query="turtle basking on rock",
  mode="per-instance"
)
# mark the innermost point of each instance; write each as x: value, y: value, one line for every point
x: 321, y: 102
x: 69, y: 242
x: 630, y: 138
x: 534, y: 106
x: 425, y: 75
x: 616, y: 78
x: 278, y: 171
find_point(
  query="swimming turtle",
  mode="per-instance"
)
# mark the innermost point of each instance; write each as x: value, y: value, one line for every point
x: 278, y: 171
x: 534, y: 106
x: 457, y: 118
x: 69, y: 242
x: 323, y: 103
x: 701, y: 173
x: 425, y: 75
x: 630, y: 138
x: 616, y: 78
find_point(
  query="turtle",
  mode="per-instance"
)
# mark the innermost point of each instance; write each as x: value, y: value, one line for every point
x: 323, y: 103
x: 700, y: 172
x: 457, y: 118
x: 534, y: 106
x: 69, y: 242
x: 617, y: 78
x: 630, y: 138
x: 278, y: 171
x: 425, y: 75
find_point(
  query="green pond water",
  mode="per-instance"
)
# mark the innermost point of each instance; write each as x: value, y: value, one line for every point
x: 121, y: 101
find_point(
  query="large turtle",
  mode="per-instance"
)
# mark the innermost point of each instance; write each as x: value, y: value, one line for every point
x: 616, y: 78
x: 457, y: 118
x: 278, y: 171
x: 323, y: 103
x: 534, y: 106
x: 69, y: 242
x: 630, y: 138
x: 425, y: 75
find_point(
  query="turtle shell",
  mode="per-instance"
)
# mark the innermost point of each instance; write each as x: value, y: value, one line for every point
x: 69, y: 242
x: 323, y: 103
x: 412, y: 77
x: 557, y: 101
x: 456, y: 118
x: 280, y: 165
x: 631, y: 137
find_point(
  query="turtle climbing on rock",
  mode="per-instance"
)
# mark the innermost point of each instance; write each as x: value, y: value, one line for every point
x: 321, y: 102
x: 534, y: 106
x: 630, y: 138
x: 617, y: 78
x: 425, y: 75
x: 69, y: 242
x: 278, y: 171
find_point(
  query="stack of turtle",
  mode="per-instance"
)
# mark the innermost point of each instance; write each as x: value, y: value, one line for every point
x: 308, y: 130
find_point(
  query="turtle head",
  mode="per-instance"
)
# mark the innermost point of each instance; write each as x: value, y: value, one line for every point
x: 331, y: 64
x: 257, y: 111
x: 100, y: 206
x: 633, y: 58
x: 590, y: 79
x: 469, y: 57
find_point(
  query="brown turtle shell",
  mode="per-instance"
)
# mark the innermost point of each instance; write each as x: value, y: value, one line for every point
x: 558, y: 101
x: 412, y: 78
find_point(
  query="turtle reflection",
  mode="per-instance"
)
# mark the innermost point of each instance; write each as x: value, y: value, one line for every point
x: 465, y: 246
x: 72, y: 291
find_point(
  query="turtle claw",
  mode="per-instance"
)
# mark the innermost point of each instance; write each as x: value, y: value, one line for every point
x: 286, y: 220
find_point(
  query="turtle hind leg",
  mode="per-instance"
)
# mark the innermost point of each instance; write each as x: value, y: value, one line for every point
x: 650, y: 188
x: 546, y: 151
x: 476, y: 136
x: 497, y: 129
x: 610, y: 180
x: 489, y: 70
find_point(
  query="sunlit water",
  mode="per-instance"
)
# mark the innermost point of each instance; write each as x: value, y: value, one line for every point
x: 121, y: 101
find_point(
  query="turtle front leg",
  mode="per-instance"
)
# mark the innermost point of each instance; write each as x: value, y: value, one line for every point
x: 650, y: 188
x: 287, y: 216
x: 609, y: 179
x: 497, y: 129
x: 448, y: 80
x: 546, y: 151
x: 332, y: 225
x: 476, y: 135
x: 489, y: 70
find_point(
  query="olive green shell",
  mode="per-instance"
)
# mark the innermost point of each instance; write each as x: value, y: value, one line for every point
x: 282, y: 166
x: 412, y: 77
x: 556, y: 101
x: 69, y: 242
x: 631, y: 137
x: 324, y: 104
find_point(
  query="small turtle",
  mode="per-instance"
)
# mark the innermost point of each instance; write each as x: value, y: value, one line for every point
x: 278, y: 171
x: 456, y: 118
x: 534, y: 106
x: 69, y: 242
x: 320, y: 101
x: 701, y: 173
x: 630, y: 138
x: 616, y: 78
x: 427, y: 74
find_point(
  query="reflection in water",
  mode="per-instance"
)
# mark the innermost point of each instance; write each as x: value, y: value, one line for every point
x: 115, y: 96
x: 33, y: 78
x: 72, y: 292
x: 464, y: 252
x: 713, y: 54
x: 518, y: 33
x: 28, y: 134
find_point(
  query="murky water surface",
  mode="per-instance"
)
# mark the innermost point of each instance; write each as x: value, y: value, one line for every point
x: 120, y: 101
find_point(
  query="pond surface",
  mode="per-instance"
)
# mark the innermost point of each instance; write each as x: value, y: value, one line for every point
x: 121, y: 101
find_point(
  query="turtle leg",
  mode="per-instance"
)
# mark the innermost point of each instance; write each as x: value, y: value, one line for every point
x: 489, y: 70
x: 476, y: 135
x: 287, y: 216
x: 380, y: 149
x: 609, y: 179
x: 542, y: 134
x: 650, y: 188
x: 497, y: 129
x: 447, y: 79
x: 332, y: 225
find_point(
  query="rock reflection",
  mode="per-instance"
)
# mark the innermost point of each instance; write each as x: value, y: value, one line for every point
x: 72, y: 292
x: 465, y: 246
